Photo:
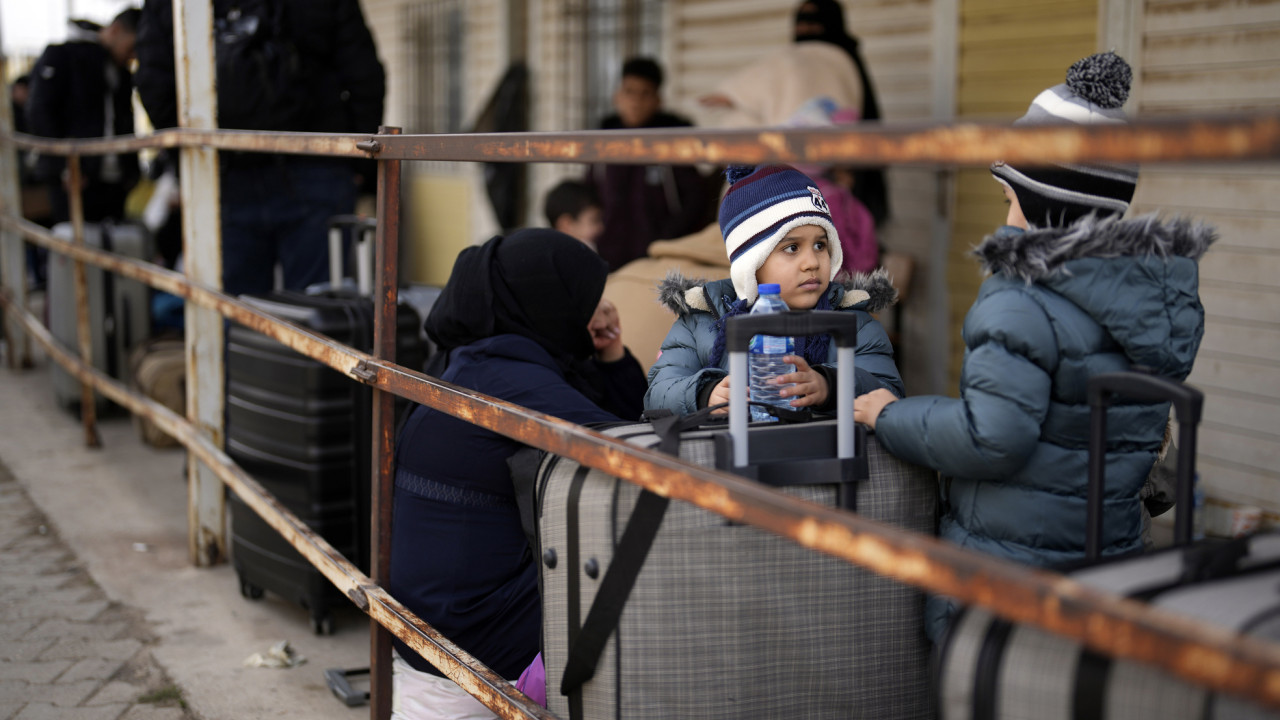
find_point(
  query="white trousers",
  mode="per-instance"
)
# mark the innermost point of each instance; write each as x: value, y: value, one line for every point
x: 416, y: 695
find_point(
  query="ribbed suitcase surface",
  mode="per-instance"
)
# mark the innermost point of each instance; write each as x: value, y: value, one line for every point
x: 726, y: 621
x: 303, y: 430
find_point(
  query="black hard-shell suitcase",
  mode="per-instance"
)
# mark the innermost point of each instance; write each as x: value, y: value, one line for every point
x: 722, y: 620
x: 303, y: 430
x: 989, y: 668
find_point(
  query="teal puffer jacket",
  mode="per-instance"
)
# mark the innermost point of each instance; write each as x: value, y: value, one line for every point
x: 1061, y: 305
x: 681, y: 371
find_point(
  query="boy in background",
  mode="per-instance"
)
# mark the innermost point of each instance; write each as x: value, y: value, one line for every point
x: 643, y: 203
x: 573, y: 208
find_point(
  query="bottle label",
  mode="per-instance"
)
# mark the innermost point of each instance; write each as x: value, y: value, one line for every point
x: 773, y: 345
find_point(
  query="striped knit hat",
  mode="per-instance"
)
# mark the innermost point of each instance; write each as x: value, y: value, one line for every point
x: 762, y: 205
x: 1058, y: 195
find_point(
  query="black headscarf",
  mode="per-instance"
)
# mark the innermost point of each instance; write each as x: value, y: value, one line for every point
x: 869, y: 183
x: 537, y: 283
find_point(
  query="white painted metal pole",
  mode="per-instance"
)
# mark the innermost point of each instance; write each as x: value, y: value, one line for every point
x: 202, y: 261
x: 13, y: 257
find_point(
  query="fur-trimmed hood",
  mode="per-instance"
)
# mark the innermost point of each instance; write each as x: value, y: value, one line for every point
x: 1138, y: 279
x: 1040, y: 253
x: 872, y: 292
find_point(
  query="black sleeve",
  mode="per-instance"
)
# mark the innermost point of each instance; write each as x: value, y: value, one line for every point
x: 828, y: 373
x: 46, y: 108
x: 155, y: 78
x: 691, y: 215
x: 624, y: 386
x: 46, y: 113
x: 364, y: 83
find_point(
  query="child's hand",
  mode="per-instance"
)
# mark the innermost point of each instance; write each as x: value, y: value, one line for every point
x: 810, y: 385
x: 866, y: 408
x: 606, y: 333
x: 720, y: 396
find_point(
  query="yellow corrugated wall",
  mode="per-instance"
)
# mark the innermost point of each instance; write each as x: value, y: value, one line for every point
x: 1008, y: 51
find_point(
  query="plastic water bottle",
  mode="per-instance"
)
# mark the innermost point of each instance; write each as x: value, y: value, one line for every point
x: 764, y: 357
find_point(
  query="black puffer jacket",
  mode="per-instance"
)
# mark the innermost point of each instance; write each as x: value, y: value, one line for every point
x: 69, y: 84
x: 345, y: 80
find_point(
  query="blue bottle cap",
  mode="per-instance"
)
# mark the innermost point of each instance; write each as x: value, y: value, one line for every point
x: 770, y: 288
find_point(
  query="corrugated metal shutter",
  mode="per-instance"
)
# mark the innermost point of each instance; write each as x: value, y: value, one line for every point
x: 1009, y: 50
x: 1224, y: 55
x: 710, y: 39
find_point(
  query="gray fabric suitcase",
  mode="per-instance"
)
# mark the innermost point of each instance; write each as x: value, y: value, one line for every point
x: 119, y: 308
x: 723, y: 620
x: 990, y: 668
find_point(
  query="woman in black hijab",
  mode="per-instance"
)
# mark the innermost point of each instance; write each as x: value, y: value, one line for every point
x: 823, y: 21
x: 518, y: 320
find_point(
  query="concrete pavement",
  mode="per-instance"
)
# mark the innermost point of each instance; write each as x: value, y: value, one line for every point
x: 101, y: 613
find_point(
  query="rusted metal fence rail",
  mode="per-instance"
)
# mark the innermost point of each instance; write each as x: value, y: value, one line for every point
x: 1113, y: 626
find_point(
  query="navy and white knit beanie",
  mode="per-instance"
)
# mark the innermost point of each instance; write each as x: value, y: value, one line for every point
x: 762, y: 205
x: 1058, y: 195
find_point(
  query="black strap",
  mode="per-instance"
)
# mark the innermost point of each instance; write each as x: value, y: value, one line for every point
x: 986, y: 680
x: 1093, y: 671
x: 571, y: 558
x: 615, y: 587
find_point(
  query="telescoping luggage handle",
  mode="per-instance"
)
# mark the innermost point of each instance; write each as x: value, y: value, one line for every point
x: 1188, y: 403
x: 362, y: 228
x: 738, y: 331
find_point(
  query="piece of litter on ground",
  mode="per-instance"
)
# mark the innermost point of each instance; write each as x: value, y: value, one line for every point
x: 141, y: 547
x: 281, y: 655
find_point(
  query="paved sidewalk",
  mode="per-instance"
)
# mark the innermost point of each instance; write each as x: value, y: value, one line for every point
x: 104, y: 607
x: 66, y: 651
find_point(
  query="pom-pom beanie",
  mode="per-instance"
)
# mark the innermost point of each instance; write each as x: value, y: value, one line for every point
x: 762, y: 205
x: 1058, y: 195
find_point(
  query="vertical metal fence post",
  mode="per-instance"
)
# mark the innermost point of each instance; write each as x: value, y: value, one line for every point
x: 386, y: 296
x: 202, y: 259
x: 13, y: 259
x: 84, y: 334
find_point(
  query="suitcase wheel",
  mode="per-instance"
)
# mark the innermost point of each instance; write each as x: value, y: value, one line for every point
x: 249, y: 590
x: 322, y: 624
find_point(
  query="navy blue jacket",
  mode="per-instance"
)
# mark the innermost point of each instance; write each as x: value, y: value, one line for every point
x: 459, y: 557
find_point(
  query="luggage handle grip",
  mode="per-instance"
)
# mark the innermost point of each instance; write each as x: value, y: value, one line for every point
x: 1188, y: 403
x: 842, y: 326
x: 738, y: 331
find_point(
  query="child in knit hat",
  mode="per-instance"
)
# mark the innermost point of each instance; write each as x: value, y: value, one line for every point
x: 777, y: 229
x: 1074, y: 291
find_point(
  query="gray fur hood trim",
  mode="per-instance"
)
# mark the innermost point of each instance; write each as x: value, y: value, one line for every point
x: 1040, y: 252
x: 874, y: 291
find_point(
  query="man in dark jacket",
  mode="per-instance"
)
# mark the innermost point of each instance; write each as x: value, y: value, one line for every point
x: 82, y: 89
x: 275, y: 208
x: 643, y: 203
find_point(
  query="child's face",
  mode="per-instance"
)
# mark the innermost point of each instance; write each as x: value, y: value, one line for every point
x: 586, y: 227
x: 637, y: 100
x: 801, y: 265
x: 1015, y: 217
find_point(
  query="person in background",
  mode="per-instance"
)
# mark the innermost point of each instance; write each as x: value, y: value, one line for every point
x: 512, y: 322
x: 1074, y: 291
x: 37, y: 203
x: 777, y: 229
x: 82, y: 89
x: 276, y: 208
x: 643, y: 203
x: 573, y: 208
x: 823, y: 61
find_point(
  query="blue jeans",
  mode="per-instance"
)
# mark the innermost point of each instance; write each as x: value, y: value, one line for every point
x: 278, y: 210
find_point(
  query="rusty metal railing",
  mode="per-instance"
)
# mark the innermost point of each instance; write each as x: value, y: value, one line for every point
x: 1110, y: 625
